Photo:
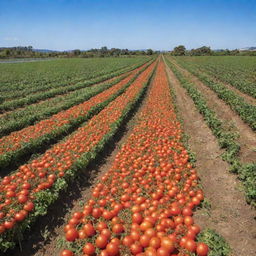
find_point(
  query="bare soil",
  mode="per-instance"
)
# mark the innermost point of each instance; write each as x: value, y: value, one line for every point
x: 229, y: 214
x: 247, y: 137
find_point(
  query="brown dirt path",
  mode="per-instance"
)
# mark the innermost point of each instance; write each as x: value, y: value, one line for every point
x: 247, y: 137
x: 44, y: 238
x: 229, y: 215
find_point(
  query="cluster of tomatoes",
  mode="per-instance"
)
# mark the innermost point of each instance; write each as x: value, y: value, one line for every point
x: 18, y: 139
x: 18, y: 191
x: 143, y: 205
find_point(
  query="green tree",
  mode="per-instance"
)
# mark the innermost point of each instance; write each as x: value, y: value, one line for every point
x: 179, y: 50
x: 76, y: 52
x: 149, y: 52
x: 204, y: 50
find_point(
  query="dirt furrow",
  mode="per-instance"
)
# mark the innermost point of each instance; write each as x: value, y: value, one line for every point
x: 247, y: 138
x: 229, y: 214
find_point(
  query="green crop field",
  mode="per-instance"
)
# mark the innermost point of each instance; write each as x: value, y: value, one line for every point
x: 239, y: 71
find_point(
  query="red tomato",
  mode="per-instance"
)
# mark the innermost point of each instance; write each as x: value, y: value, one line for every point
x: 29, y: 206
x: 89, y: 229
x: 22, y: 199
x: 112, y: 249
x: 144, y: 240
x: 155, y: 242
x: 89, y: 249
x: 19, y: 216
x: 71, y: 235
x: 190, y: 245
x: 128, y: 241
x: 106, y: 232
x: 202, y: 249
x: 136, y: 248
x: 168, y: 244
x: 137, y: 218
x: 9, y: 224
x: 101, y: 225
x: 82, y: 234
x: 118, y: 228
x: 101, y: 241
x: 162, y: 252
x: 145, y: 225
x: 66, y: 253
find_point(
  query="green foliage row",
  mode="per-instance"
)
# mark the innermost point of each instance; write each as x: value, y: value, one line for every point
x: 240, y: 72
x: 226, y: 139
x: 31, y: 98
x: 19, y: 119
x: 33, y: 90
x: 56, y: 133
x: 55, y: 72
x: 47, y: 197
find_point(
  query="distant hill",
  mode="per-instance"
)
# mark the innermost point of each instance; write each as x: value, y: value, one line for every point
x: 44, y: 50
x: 252, y: 48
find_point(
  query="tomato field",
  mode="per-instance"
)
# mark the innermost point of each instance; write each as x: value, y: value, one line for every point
x: 128, y: 156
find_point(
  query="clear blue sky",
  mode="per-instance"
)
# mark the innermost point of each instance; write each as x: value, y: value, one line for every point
x: 132, y: 24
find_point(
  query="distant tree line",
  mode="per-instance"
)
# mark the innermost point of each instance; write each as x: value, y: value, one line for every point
x: 206, y: 51
x: 29, y: 52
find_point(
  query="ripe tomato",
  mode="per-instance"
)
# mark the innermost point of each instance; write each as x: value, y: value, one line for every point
x: 71, y: 235
x: 89, y: 249
x: 195, y: 228
x: 112, y: 249
x: 9, y: 224
x: 187, y: 211
x: 162, y: 252
x: 29, y: 206
x: 144, y: 240
x: 101, y: 225
x: 101, y: 241
x: 150, y: 251
x: 106, y: 232
x: 89, y: 229
x: 155, y: 242
x: 82, y: 234
x: 202, y: 249
x: 128, y: 241
x: 137, y: 218
x: 190, y: 245
x: 118, y: 228
x: 145, y: 225
x: 22, y: 199
x: 135, y: 235
x: 136, y: 248
x: 19, y: 216
x: 66, y: 253
x: 168, y: 244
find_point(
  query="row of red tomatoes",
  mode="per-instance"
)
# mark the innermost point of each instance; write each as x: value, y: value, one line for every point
x: 20, y: 188
x: 18, y: 139
x: 143, y: 205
